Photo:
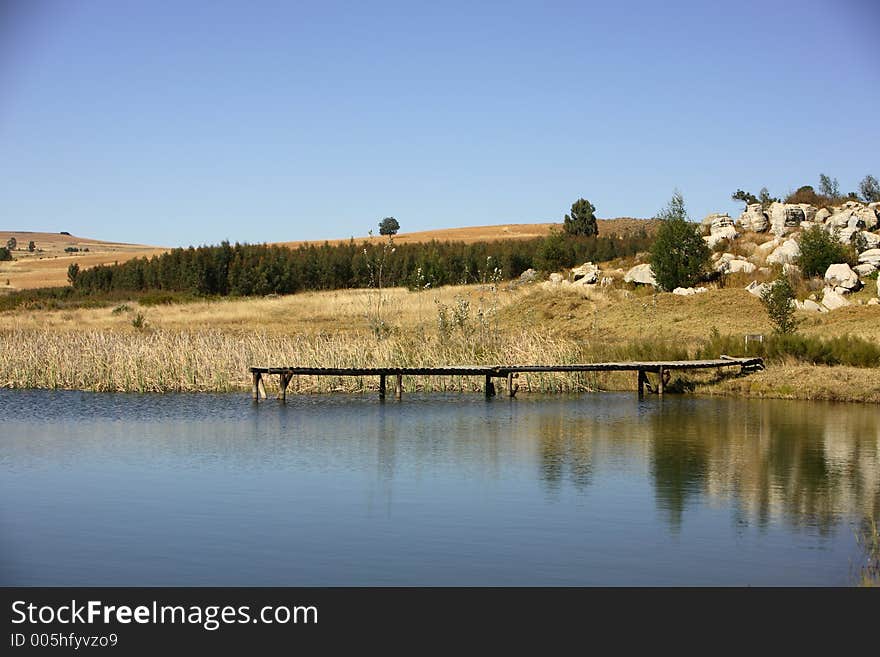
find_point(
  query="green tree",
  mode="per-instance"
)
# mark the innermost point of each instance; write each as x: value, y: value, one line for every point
x: 778, y: 299
x: 582, y: 220
x: 554, y: 252
x: 5, y: 254
x: 819, y: 249
x: 72, y: 273
x: 765, y: 199
x: 746, y: 197
x: 869, y: 189
x: 679, y: 255
x: 389, y: 226
x: 11, y: 243
x: 829, y: 187
x: 32, y: 246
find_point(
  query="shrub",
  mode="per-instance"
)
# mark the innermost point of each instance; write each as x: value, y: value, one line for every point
x: 72, y: 273
x: 5, y: 254
x: 819, y: 249
x: 679, y: 255
x: 778, y: 299
x: 11, y: 243
x: 582, y: 220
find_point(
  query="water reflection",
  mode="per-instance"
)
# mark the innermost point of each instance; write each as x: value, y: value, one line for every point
x: 437, y: 489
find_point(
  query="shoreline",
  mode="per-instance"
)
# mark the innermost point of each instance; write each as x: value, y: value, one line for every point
x: 759, y: 385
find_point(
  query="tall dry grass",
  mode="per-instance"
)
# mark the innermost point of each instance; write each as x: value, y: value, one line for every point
x: 177, y: 361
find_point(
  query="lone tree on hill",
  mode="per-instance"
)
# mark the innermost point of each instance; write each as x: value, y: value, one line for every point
x: 778, y: 299
x: 389, y: 226
x: 869, y: 188
x: 679, y: 255
x: 582, y: 220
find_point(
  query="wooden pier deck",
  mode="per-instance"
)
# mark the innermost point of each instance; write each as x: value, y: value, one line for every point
x: 662, y: 369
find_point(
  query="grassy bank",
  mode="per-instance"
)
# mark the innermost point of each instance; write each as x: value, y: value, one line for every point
x: 209, y: 345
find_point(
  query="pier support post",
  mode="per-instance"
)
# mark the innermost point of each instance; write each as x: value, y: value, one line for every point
x: 398, y: 391
x: 641, y: 383
x: 511, y: 386
x: 382, y: 386
x: 283, y: 381
x: 661, y: 384
x: 256, y: 391
x: 490, y: 387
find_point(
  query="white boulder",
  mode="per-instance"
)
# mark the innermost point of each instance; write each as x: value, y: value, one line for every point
x: 756, y: 288
x: 788, y: 251
x: 842, y: 276
x: 586, y: 274
x: 833, y: 300
x: 754, y: 218
x: 872, y: 240
x: 640, y: 275
x: 739, y: 267
x: 688, y: 291
x: 811, y: 306
x: 871, y: 257
x: 864, y: 270
x: 785, y: 217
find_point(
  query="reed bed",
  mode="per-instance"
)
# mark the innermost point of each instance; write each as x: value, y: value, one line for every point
x: 163, y: 360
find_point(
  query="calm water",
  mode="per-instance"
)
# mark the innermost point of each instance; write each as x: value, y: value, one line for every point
x: 105, y: 489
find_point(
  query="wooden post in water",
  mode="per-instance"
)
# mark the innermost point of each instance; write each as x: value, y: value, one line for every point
x: 660, y: 383
x: 511, y: 386
x: 257, y: 377
x: 641, y: 383
x: 490, y: 387
x: 382, y: 386
x: 283, y: 381
x: 399, y: 390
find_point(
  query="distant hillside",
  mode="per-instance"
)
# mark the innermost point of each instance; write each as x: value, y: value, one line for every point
x: 618, y: 226
x: 47, y: 265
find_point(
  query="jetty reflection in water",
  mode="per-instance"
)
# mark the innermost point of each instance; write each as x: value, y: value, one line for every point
x: 439, y: 489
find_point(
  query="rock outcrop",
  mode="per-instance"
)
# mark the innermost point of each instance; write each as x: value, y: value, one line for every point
x: 754, y: 218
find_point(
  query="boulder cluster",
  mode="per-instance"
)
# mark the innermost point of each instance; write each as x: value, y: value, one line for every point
x: 853, y: 223
x: 781, y: 224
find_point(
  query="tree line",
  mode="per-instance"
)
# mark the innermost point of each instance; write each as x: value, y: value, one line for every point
x: 259, y: 269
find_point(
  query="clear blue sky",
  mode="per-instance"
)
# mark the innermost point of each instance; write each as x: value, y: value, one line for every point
x: 191, y: 122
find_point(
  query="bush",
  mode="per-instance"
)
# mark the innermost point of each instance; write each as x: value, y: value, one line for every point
x: 5, y: 254
x: 778, y: 299
x: 679, y: 256
x: 819, y: 249
x: 582, y: 220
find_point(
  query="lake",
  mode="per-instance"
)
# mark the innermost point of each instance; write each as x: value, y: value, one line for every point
x: 439, y: 489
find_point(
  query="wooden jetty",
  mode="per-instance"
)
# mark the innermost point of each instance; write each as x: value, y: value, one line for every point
x: 662, y: 369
